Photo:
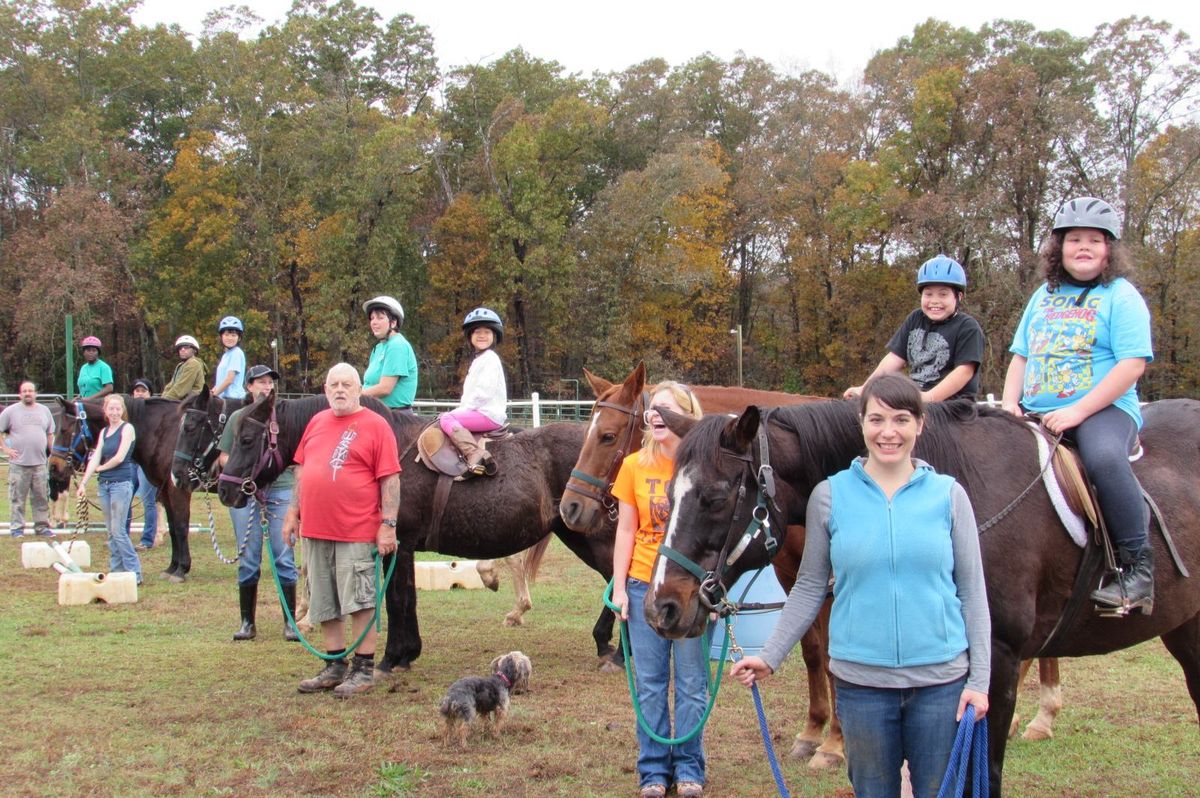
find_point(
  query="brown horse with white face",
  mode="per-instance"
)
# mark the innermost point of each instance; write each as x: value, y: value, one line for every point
x: 1031, y: 566
x: 615, y: 431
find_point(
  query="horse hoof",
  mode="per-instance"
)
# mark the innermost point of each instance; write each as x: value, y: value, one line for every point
x: 512, y: 619
x: 803, y: 749
x: 176, y: 579
x: 1037, y: 733
x: 824, y: 761
x: 608, y: 666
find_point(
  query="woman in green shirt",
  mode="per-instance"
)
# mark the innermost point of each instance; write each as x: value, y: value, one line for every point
x: 391, y: 375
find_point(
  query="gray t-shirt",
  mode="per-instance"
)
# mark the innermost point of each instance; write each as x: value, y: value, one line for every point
x: 28, y: 429
x: 812, y: 583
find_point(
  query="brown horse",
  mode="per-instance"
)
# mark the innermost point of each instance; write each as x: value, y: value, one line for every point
x: 1032, y: 567
x: 614, y: 431
x: 155, y: 422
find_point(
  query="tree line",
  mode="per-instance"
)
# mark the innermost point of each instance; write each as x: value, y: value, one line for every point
x: 152, y: 182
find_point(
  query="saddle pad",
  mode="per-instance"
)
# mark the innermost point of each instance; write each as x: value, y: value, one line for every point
x: 1071, y: 518
x: 438, y: 454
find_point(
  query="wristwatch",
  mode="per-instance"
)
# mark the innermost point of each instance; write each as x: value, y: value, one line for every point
x: 389, y: 522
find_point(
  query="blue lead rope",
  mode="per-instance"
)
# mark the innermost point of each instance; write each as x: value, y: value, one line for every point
x: 970, y: 745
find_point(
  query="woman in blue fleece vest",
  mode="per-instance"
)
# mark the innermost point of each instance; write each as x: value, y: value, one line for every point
x: 909, y: 633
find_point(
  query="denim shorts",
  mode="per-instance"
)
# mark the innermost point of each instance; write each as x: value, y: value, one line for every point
x: 341, y: 578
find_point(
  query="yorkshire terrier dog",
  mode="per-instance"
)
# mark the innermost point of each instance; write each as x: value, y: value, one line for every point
x: 473, y: 696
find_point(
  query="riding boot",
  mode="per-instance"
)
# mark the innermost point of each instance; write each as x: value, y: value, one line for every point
x: 248, y: 599
x: 472, y: 452
x: 1133, y: 586
x: 289, y: 598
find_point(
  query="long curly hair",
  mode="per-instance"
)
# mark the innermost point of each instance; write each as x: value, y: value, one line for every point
x: 1055, y: 274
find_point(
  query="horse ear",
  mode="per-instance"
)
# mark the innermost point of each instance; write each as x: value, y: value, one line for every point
x: 676, y: 422
x: 599, y: 384
x: 638, y: 378
x: 740, y: 431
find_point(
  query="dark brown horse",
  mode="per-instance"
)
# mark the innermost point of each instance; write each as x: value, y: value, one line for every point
x: 1030, y: 563
x: 155, y: 421
x: 484, y: 517
x: 614, y: 431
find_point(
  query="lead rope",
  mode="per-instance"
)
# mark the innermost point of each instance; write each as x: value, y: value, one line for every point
x: 205, y: 487
x: 970, y: 746
x: 772, y: 759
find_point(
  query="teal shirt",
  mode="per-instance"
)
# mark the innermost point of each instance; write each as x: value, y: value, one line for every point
x: 394, y: 358
x: 93, y: 377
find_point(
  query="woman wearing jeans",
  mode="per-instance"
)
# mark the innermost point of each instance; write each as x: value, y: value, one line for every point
x: 113, y: 461
x: 909, y: 633
x: 641, y: 493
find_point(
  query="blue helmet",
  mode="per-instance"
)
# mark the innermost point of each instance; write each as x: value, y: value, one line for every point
x: 483, y: 317
x: 942, y: 270
x: 230, y: 323
x: 1088, y: 212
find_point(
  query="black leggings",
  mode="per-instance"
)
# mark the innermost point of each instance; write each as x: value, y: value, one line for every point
x: 1105, y: 440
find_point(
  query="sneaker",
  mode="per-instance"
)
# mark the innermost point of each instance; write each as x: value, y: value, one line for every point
x: 45, y: 532
x: 360, y: 680
x: 16, y: 533
x: 331, y: 676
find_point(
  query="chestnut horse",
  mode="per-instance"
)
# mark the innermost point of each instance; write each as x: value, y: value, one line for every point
x: 1032, y: 568
x: 614, y: 432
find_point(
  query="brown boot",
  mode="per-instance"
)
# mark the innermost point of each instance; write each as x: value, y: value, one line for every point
x: 472, y: 452
x: 330, y: 677
x: 360, y: 679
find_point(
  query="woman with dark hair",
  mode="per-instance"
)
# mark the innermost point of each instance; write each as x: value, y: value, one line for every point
x: 909, y: 632
x: 391, y: 374
x: 1078, y: 351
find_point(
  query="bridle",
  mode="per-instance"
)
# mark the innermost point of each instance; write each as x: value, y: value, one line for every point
x: 600, y: 490
x: 200, y: 461
x: 82, y: 437
x: 269, y: 442
x: 761, y: 480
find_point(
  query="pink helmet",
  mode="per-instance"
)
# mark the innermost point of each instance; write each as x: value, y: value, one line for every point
x: 91, y: 340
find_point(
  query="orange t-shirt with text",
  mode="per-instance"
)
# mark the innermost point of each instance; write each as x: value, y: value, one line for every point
x: 645, y: 487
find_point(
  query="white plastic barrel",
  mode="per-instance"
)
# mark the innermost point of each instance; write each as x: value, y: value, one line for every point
x: 751, y: 628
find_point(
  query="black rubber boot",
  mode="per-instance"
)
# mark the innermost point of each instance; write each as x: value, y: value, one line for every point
x: 248, y: 599
x: 289, y: 598
x: 1133, y: 587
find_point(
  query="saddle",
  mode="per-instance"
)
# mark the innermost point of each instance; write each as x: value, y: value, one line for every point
x: 439, y: 454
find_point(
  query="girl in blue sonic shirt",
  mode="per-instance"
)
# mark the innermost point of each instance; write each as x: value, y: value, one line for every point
x: 1078, y: 351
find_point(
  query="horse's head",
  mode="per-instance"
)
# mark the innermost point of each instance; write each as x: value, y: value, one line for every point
x: 614, y: 431
x: 202, y: 418
x: 254, y: 459
x: 722, y: 510
x: 73, y: 442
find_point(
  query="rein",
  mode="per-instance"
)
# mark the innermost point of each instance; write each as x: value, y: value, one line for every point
x: 600, y: 490
x: 199, y: 460
x: 713, y: 590
x: 82, y: 436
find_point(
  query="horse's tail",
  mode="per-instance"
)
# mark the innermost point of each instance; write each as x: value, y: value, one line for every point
x: 532, y: 558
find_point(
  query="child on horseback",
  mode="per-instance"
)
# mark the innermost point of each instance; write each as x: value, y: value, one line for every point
x: 484, y: 402
x: 1078, y: 351
x: 231, y: 368
x: 940, y: 345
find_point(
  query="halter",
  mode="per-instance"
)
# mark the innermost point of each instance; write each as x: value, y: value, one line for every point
x: 270, y: 452
x: 83, y: 436
x: 712, y: 583
x: 199, y: 460
x: 600, y: 490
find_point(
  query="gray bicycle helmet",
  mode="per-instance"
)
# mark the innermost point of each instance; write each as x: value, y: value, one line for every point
x: 1088, y: 212
x: 387, y: 303
x: 483, y: 317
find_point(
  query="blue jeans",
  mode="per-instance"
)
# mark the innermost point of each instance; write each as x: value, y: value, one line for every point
x: 885, y: 726
x: 115, y: 498
x: 658, y: 763
x: 248, y: 520
x: 147, y: 494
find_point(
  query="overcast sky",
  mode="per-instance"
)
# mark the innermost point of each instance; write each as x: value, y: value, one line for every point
x: 835, y: 37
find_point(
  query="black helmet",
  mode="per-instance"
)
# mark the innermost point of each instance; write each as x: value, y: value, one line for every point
x: 483, y: 317
x: 260, y: 371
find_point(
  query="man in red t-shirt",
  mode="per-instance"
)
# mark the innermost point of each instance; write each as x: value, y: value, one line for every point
x: 344, y: 505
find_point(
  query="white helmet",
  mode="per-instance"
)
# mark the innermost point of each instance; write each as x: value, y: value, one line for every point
x: 384, y: 302
x: 187, y: 340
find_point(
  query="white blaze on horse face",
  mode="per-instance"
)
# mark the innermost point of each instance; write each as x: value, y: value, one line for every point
x: 682, y: 483
x: 592, y: 427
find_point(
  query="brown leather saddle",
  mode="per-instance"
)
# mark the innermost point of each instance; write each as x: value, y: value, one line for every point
x: 439, y: 454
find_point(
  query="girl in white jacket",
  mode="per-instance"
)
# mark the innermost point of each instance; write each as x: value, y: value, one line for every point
x: 485, y: 395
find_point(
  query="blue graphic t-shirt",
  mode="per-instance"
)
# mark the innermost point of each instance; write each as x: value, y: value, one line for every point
x: 1070, y: 348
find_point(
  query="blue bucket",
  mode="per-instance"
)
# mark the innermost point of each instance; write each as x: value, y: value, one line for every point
x: 751, y: 627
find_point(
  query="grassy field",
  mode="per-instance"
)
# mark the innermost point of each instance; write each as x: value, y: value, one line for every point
x: 155, y: 699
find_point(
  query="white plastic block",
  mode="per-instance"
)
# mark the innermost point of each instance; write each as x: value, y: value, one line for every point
x: 447, y: 575
x: 115, y: 588
x: 39, y: 554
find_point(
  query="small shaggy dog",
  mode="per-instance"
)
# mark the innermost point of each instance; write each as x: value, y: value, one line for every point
x: 488, y: 696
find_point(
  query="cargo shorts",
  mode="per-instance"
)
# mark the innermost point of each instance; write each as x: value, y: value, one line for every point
x: 341, y: 578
